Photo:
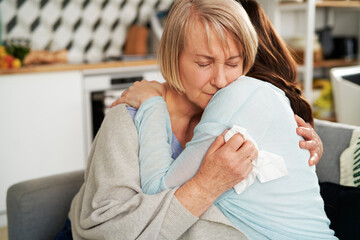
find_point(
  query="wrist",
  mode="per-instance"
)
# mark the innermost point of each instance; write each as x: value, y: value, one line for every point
x: 195, y: 198
x: 204, y: 185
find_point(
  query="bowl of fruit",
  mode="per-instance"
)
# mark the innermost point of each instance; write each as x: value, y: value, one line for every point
x: 13, y: 53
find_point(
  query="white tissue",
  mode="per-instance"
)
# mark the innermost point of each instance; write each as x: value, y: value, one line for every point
x: 267, y: 166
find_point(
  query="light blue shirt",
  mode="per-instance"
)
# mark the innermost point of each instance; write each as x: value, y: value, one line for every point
x: 176, y: 148
x: 286, y: 208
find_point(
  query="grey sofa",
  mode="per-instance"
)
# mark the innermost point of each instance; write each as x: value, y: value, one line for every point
x: 37, y: 209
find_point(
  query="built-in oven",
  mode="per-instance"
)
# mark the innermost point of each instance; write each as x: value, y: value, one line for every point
x: 103, y: 86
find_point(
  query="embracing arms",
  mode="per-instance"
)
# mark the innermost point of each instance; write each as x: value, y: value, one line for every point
x: 110, y: 204
x: 143, y: 90
x: 158, y: 171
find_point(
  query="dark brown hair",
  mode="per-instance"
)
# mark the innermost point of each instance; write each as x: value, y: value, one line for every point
x: 274, y: 62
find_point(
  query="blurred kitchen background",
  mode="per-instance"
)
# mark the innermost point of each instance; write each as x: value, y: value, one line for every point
x: 62, y: 63
x: 91, y: 30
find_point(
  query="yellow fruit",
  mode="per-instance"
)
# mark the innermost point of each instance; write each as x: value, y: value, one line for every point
x: 16, y: 63
x: 2, y: 52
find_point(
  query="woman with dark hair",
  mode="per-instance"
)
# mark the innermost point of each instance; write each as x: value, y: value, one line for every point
x: 279, y: 198
x: 274, y: 63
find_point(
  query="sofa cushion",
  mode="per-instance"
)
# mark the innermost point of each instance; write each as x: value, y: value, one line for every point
x: 350, y: 162
x: 38, y: 208
x: 343, y: 209
x: 336, y: 138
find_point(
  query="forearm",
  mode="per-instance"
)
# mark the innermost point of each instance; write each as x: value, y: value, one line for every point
x: 158, y: 170
x: 153, y: 124
x: 195, y: 198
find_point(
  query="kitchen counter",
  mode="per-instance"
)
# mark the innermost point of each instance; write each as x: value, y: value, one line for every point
x: 84, y: 66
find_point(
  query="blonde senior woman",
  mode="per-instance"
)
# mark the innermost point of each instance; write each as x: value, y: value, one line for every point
x: 111, y: 204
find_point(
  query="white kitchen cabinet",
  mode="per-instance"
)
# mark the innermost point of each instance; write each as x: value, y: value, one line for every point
x: 41, y: 127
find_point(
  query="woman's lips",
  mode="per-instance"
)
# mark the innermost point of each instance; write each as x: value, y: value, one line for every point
x: 210, y: 94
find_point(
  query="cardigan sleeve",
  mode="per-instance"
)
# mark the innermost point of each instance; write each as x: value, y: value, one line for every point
x: 111, y: 204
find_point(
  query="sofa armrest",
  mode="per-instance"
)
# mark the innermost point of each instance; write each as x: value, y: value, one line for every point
x: 336, y: 138
x: 38, y: 209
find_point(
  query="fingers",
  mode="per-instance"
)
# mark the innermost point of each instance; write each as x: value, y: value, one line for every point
x: 235, y: 142
x: 229, y: 162
x: 244, y: 153
x: 253, y: 155
x: 315, y: 149
x: 248, y: 170
x: 248, y: 150
x: 244, y: 163
x: 120, y: 99
x: 218, y: 143
x: 309, y: 145
x: 117, y: 102
x: 313, y: 142
x: 314, y: 159
x: 306, y: 132
x: 300, y: 122
x: 136, y: 94
x: 124, y: 92
x: 244, y: 149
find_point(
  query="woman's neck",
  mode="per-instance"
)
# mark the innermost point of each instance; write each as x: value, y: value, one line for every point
x: 184, y: 115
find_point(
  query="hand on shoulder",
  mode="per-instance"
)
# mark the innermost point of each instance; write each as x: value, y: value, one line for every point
x: 139, y: 92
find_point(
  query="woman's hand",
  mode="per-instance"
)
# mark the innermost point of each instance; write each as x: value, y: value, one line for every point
x: 312, y: 141
x: 224, y: 165
x: 139, y: 92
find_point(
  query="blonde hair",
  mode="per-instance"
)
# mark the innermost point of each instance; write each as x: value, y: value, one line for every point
x: 225, y: 17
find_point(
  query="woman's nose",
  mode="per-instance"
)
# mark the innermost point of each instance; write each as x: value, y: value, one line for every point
x: 219, y: 77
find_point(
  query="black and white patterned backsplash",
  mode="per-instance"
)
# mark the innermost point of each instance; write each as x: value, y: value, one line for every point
x: 91, y: 30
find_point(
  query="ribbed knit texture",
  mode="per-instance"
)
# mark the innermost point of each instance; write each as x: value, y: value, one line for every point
x: 111, y: 205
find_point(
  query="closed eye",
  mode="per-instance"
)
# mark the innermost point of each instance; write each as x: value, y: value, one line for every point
x: 233, y: 65
x: 203, y: 65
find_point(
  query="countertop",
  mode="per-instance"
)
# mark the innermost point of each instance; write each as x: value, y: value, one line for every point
x: 73, y: 67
